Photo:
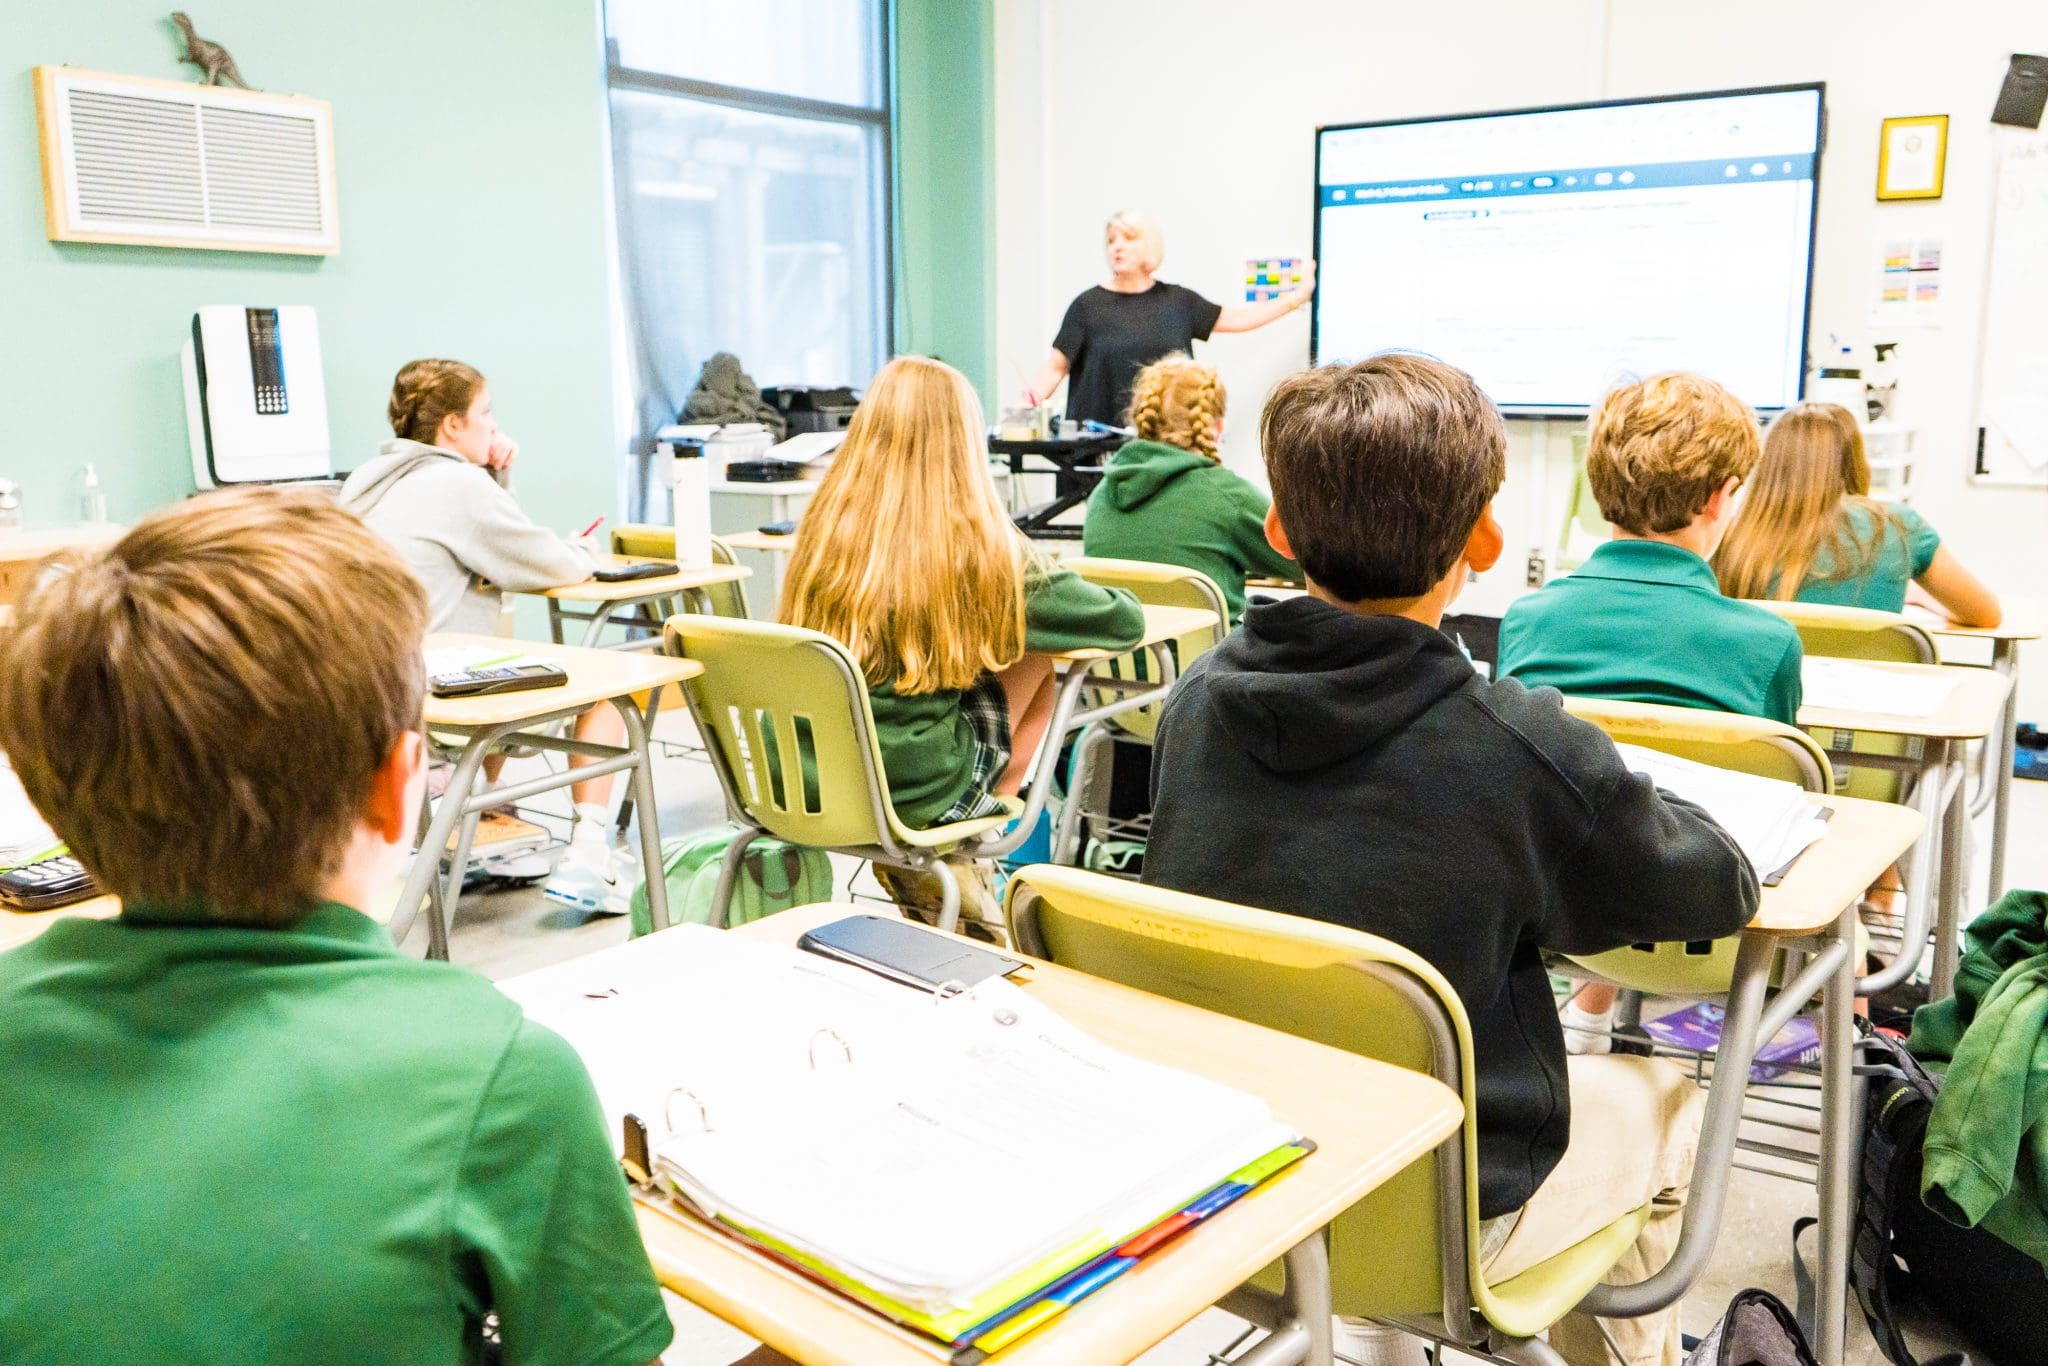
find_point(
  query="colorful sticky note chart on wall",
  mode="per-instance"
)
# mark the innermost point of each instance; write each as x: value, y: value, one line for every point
x: 1271, y: 277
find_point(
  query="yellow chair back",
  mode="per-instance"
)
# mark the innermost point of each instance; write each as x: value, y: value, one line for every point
x: 1402, y: 1251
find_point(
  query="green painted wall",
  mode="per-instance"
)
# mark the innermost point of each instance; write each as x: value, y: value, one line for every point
x: 945, y: 186
x: 470, y: 156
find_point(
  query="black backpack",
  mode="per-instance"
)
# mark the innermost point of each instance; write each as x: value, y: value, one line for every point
x: 1904, y: 1252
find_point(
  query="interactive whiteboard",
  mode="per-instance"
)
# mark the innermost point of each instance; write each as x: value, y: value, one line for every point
x: 1552, y: 252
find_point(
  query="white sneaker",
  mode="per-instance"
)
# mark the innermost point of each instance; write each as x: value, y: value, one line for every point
x: 585, y: 879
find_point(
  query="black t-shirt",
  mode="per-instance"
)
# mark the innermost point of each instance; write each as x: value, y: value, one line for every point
x: 1109, y: 337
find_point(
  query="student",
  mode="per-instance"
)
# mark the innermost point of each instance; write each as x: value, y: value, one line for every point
x: 440, y: 491
x: 908, y: 558
x: 1809, y: 531
x: 1644, y: 620
x: 1167, y: 499
x: 1338, y: 758
x: 241, y: 1125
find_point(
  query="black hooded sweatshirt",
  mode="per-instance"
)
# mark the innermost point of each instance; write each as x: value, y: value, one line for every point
x: 1357, y: 770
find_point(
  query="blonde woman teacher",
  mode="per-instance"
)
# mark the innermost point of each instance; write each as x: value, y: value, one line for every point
x: 1114, y: 330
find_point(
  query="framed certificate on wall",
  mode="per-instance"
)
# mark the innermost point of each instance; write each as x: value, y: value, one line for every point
x: 1911, y: 156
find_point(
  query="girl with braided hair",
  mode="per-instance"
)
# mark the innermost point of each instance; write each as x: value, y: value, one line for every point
x: 440, y: 491
x: 1167, y: 499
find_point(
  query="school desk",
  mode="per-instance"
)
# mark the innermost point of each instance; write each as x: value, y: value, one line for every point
x: 1970, y: 711
x: 1813, y: 909
x: 2023, y: 619
x: 596, y: 677
x: 22, y: 551
x: 1369, y: 1121
x: 759, y: 541
x: 623, y: 603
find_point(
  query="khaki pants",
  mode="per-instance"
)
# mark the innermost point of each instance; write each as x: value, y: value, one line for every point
x: 1635, y: 1126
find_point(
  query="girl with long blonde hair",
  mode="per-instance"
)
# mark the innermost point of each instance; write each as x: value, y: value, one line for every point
x: 908, y: 558
x: 1809, y: 531
x: 1166, y: 496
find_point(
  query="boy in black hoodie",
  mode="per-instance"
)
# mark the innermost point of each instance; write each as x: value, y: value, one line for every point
x: 1338, y: 758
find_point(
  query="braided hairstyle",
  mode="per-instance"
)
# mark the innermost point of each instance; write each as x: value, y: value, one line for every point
x: 1178, y: 401
x: 425, y: 392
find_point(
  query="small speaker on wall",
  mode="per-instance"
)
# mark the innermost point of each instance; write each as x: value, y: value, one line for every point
x: 2024, y: 94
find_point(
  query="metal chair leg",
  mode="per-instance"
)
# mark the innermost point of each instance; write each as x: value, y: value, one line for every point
x: 729, y: 872
x: 949, y: 896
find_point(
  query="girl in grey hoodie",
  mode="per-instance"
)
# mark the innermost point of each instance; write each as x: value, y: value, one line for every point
x: 440, y: 491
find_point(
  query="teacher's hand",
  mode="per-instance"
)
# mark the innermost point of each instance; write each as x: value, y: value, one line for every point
x: 1301, y: 292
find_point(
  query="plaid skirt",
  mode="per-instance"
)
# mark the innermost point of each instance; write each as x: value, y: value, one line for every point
x: 988, y: 715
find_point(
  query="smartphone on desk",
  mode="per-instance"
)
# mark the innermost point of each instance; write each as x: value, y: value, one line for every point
x: 903, y: 953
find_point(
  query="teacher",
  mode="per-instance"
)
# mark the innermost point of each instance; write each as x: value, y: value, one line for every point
x: 1114, y: 330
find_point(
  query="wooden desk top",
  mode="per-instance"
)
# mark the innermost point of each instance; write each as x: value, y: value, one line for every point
x: 1970, y: 712
x: 2023, y: 619
x: 759, y: 540
x: 1369, y: 1121
x: 1161, y: 623
x: 26, y: 547
x: 594, y: 676
x: 1864, y: 838
x: 634, y: 590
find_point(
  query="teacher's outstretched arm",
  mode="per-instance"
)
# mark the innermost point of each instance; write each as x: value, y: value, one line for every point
x: 1249, y: 317
x: 1049, y: 376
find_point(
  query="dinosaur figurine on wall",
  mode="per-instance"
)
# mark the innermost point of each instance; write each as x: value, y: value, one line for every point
x: 209, y: 57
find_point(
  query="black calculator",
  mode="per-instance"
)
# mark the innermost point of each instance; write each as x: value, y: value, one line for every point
x: 625, y: 573
x: 497, y: 678
x: 57, y: 881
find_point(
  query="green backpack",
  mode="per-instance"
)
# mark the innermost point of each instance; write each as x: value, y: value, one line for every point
x: 774, y: 876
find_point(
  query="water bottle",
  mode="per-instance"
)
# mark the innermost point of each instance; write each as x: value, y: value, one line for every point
x: 690, y: 485
x: 92, y: 499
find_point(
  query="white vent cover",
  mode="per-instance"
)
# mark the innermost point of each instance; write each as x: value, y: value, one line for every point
x: 126, y: 159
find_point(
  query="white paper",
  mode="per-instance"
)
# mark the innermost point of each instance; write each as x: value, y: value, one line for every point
x: 1913, y: 157
x: 1844, y: 685
x: 928, y: 1148
x: 809, y: 448
x: 24, y: 835
x: 448, y: 659
x: 1769, y: 820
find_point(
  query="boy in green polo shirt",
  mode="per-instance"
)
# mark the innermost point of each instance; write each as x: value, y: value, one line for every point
x: 240, y: 1125
x: 1644, y: 620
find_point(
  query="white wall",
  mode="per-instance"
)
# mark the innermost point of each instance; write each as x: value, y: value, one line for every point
x: 1203, y: 112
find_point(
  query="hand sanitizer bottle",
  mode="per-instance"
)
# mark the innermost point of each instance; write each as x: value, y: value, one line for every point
x: 92, y: 499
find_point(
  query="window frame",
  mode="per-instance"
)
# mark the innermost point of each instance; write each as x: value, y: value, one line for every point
x: 879, y: 117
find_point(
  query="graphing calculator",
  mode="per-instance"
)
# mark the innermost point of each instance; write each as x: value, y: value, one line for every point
x: 497, y: 678
x: 57, y: 881
x: 625, y: 573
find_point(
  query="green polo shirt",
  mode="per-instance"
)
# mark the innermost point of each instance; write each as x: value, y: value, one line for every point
x: 1643, y: 621
x: 293, y: 1145
x: 1880, y: 563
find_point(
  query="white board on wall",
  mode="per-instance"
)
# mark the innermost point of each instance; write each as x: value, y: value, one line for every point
x: 2012, y: 393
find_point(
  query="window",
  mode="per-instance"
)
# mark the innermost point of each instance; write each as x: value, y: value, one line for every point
x: 750, y: 148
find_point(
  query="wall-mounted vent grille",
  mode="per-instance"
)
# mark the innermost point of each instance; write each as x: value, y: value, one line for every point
x: 163, y: 164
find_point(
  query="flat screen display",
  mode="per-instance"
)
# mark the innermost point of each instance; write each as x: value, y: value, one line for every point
x: 1555, y: 252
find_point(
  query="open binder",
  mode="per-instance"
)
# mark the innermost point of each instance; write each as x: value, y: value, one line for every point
x: 967, y: 1164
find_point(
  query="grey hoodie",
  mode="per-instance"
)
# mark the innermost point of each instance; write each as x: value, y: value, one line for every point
x: 458, y: 526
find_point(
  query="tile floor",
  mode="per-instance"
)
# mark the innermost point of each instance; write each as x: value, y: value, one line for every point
x: 505, y: 933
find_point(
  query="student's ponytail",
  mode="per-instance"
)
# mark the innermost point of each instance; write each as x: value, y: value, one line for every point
x: 425, y: 392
